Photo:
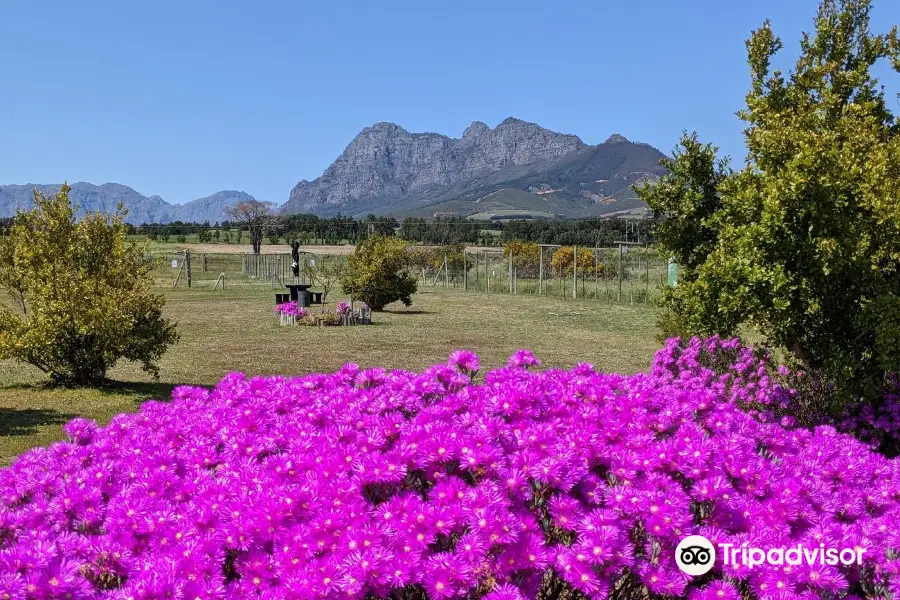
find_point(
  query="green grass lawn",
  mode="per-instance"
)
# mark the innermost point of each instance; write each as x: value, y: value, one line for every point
x: 236, y: 330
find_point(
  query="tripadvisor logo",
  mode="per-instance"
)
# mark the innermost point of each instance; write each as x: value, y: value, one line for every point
x: 695, y: 555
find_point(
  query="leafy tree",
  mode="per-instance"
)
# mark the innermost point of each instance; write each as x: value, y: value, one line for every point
x: 83, y: 294
x: 377, y: 273
x: 526, y: 257
x: 256, y: 216
x: 564, y: 258
x: 803, y: 243
x: 325, y: 276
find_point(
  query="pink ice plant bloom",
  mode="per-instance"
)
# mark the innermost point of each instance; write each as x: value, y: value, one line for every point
x: 366, y: 482
x: 291, y: 309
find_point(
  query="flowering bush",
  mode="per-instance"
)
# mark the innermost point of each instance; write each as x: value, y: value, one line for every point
x: 343, y: 308
x: 291, y: 309
x: 367, y: 481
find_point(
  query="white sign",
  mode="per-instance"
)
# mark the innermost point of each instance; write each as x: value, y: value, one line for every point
x: 174, y: 264
x: 312, y: 262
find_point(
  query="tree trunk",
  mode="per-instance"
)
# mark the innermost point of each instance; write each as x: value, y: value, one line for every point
x: 802, y: 354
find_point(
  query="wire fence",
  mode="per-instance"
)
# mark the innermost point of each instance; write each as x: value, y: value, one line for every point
x: 627, y: 274
x: 220, y: 270
x: 623, y: 274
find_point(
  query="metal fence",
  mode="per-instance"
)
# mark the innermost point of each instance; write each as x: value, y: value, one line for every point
x: 624, y: 274
x: 219, y: 270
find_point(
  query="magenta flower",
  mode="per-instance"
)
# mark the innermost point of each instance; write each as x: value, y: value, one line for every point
x: 465, y: 360
x: 366, y: 482
x: 291, y: 309
x: 522, y: 359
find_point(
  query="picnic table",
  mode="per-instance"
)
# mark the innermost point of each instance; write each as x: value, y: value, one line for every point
x: 299, y: 293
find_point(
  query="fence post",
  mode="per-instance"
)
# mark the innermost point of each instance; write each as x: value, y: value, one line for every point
x: 619, y: 272
x: 510, y: 278
x: 187, y: 264
x: 446, y: 274
x: 465, y: 271
x: 647, y: 267
x: 574, y: 272
x: 596, y: 274
x: 204, y: 262
x: 541, y: 272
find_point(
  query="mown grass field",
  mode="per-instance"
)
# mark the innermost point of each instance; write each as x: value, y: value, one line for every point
x: 236, y: 330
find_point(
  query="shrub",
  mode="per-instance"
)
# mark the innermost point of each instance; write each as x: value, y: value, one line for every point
x: 291, y: 309
x: 375, y: 483
x: 83, y: 292
x: 377, y: 273
x: 563, y: 259
x: 327, y: 319
x: 802, y: 242
x: 526, y: 257
x: 432, y: 257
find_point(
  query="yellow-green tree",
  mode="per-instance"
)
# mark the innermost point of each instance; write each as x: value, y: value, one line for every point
x: 377, y: 273
x: 526, y: 257
x: 802, y: 243
x: 81, y: 294
x: 564, y: 258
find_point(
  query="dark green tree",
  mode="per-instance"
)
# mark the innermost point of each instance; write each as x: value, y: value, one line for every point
x: 803, y: 243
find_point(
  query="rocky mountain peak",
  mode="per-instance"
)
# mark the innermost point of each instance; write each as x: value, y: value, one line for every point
x: 616, y: 139
x: 476, y: 129
x: 386, y: 161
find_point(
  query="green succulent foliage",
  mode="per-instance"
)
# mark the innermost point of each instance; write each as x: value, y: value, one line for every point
x: 81, y: 294
x: 803, y: 242
x: 377, y: 273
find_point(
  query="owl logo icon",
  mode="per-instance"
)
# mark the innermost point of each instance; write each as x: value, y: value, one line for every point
x: 695, y: 555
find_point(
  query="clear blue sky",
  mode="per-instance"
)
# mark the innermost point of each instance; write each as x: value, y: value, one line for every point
x: 185, y: 98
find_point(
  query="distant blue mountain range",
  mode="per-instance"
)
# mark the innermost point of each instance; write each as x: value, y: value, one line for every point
x: 141, y: 209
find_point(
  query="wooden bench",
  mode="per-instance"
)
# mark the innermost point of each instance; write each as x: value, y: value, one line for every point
x: 304, y: 298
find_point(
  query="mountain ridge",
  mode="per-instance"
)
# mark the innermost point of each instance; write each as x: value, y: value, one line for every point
x: 141, y: 209
x: 387, y: 170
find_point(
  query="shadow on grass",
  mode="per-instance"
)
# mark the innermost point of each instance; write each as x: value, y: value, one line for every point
x: 403, y: 312
x: 140, y: 390
x: 25, y: 421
